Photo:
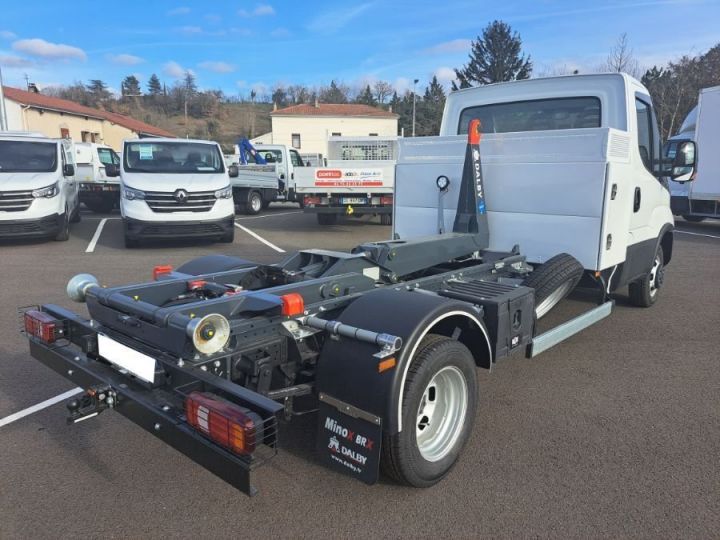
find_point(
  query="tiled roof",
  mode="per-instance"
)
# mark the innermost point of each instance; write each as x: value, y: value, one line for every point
x: 63, y: 105
x: 333, y: 109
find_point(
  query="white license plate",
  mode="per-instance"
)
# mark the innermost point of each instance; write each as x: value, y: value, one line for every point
x: 353, y: 200
x: 139, y: 364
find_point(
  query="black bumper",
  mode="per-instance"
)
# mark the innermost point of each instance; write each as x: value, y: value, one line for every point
x: 135, y: 229
x: 31, y: 228
x: 157, y: 410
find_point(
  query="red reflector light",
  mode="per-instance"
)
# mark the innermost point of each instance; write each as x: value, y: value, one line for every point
x: 161, y: 270
x: 312, y: 200
x: 229, y: 425
x: 42, y: 326
x: 386, y: 201
x: 292, y: 304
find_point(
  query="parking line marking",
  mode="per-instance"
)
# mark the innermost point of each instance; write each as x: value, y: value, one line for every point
x: 698, y: 234
x: 270, y: 215
x: 96, y: 236
x: 40, y: 406
x: 258, y: 237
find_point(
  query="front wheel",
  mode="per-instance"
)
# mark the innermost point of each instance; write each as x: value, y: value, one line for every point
x: 63, y: 233
x: 438, y: 413
x: 644, y: 292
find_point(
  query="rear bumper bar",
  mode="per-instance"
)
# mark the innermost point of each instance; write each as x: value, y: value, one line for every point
x: 156, y: 410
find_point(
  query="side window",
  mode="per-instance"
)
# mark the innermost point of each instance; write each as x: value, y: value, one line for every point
x: 645, y: 133
x: 296, y: 140
x: 295, y: 159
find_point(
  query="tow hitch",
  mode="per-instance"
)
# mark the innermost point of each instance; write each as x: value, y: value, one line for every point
x: 94, y: 401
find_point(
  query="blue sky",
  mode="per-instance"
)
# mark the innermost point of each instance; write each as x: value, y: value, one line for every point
x: 236, y: 46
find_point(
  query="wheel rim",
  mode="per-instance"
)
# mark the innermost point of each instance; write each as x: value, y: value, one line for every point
x: 441, y: 413
x: 655, y: 276
x: 553, y: 298
x: 256, y: 203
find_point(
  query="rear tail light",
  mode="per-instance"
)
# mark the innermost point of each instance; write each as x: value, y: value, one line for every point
x: 42, y: 326
x: 312, y: 200
x: 161, y: 270
x: 229, y: 425
x: 386, y: 201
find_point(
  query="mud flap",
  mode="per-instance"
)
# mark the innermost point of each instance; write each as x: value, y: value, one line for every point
x: 349, y: 439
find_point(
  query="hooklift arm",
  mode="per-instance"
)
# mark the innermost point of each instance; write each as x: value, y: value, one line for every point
x: 245, y: 147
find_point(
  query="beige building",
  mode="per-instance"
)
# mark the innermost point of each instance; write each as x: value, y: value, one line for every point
x: 307, y: 127
x: 54, y: 117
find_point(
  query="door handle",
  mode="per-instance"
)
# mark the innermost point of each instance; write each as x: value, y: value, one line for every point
x: 636, y: 200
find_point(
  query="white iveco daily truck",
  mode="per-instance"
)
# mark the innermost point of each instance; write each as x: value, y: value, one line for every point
x: 174, y: 188
x: 38, y: 188
x: 564, y: 183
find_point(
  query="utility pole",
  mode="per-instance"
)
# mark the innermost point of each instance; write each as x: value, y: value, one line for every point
x: 3, y: 112
x: 413, y: 126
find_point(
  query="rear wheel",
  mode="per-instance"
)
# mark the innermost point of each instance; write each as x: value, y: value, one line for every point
x: 644, y: 292
x: 438, y: 412
x: 327, y: 219
x: 254, y: 203
x: 553, y: 281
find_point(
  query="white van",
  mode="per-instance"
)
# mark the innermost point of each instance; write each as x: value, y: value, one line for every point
x: 98, y: 192
x: 38, y: 191
x: 174, y: 188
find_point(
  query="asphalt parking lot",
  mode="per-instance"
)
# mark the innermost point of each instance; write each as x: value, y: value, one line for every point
x: 615, y: 432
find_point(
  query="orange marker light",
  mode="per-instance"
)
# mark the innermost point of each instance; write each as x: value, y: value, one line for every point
x: 386, y: 364
x: 474, y: 133
x: 292, y: 304
x: 161, y: 270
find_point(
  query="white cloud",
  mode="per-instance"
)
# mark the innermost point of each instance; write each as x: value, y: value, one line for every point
x: 179, y: 11
x: 211, y: 17
x: 402, y: 85
x: 7, y: 34
x: 260, y: 88
x: 259, y: 11
x: 240, y: 31
x: 280, y: 33
x: 12, y: 61
x: 456, y: 45
x: 332, y: 21
x: 241, y: 84
x: 217, y: 67
x: 175, y: 70
x: 45, y: 49
x: 125, y: 59
x: 189, y: 29
x: 445, y: 75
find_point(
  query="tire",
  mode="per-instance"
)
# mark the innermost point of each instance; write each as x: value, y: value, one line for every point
x: 209, y: 264
x: 254, y: 203
x: 64, y: 233
x: 228, y: 237
x: 553, y: 281
x: 644, y: 292
x: 385, y: 219
x: 327, y: 219
x: 265, y: 204
x: 438, y: 411
x: 693, y: 219
x: 75, y: 217
x: 103, y: 206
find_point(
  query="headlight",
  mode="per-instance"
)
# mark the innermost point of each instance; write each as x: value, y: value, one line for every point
x: 210, y: 333
x: 224, y: 193
x: 49, y: 191
x: 132, y: 194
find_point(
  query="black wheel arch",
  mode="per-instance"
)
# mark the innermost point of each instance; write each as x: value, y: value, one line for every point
x: 347, y: 369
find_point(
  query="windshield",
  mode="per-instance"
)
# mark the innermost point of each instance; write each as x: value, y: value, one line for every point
x: 173, y: 157
x: 536, y: 115
x: 24, y: 156
x: 108, y: 157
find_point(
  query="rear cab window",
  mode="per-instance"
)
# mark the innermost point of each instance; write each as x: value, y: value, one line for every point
x: 534, y: 115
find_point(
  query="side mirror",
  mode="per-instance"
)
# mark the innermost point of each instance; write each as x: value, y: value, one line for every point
x: 68, y: 170
x: 233, y: 171
x: 112, y: 170
x: 683, y: 165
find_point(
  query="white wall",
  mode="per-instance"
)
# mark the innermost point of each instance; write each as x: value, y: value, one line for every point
x: 315, y: 130
x: 14, y: 116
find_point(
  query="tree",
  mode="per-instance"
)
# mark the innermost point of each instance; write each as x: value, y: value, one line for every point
x: 98, y: 92
x: 366, y: 97
x: 383, y: 90
x: 494, y: 57
x: 621, y: 59
x: 154, y: 87
x: 130, y: 86
x: 335, y: 93
x: 279, y: 96
x: 189, y: 84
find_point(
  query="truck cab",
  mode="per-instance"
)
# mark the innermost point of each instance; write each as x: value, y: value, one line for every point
x: 99, y: 192
x: 38, y: 187
x: 172, y: 188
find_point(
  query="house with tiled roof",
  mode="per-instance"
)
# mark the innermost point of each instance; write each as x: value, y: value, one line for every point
x: 308, y: 127
x: 55, y: 117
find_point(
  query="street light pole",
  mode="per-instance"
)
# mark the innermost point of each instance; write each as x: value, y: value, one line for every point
x: 414, y: 95
x: 3, y: 112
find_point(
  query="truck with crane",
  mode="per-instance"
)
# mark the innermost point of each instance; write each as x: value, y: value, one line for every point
x: 533, y: 188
